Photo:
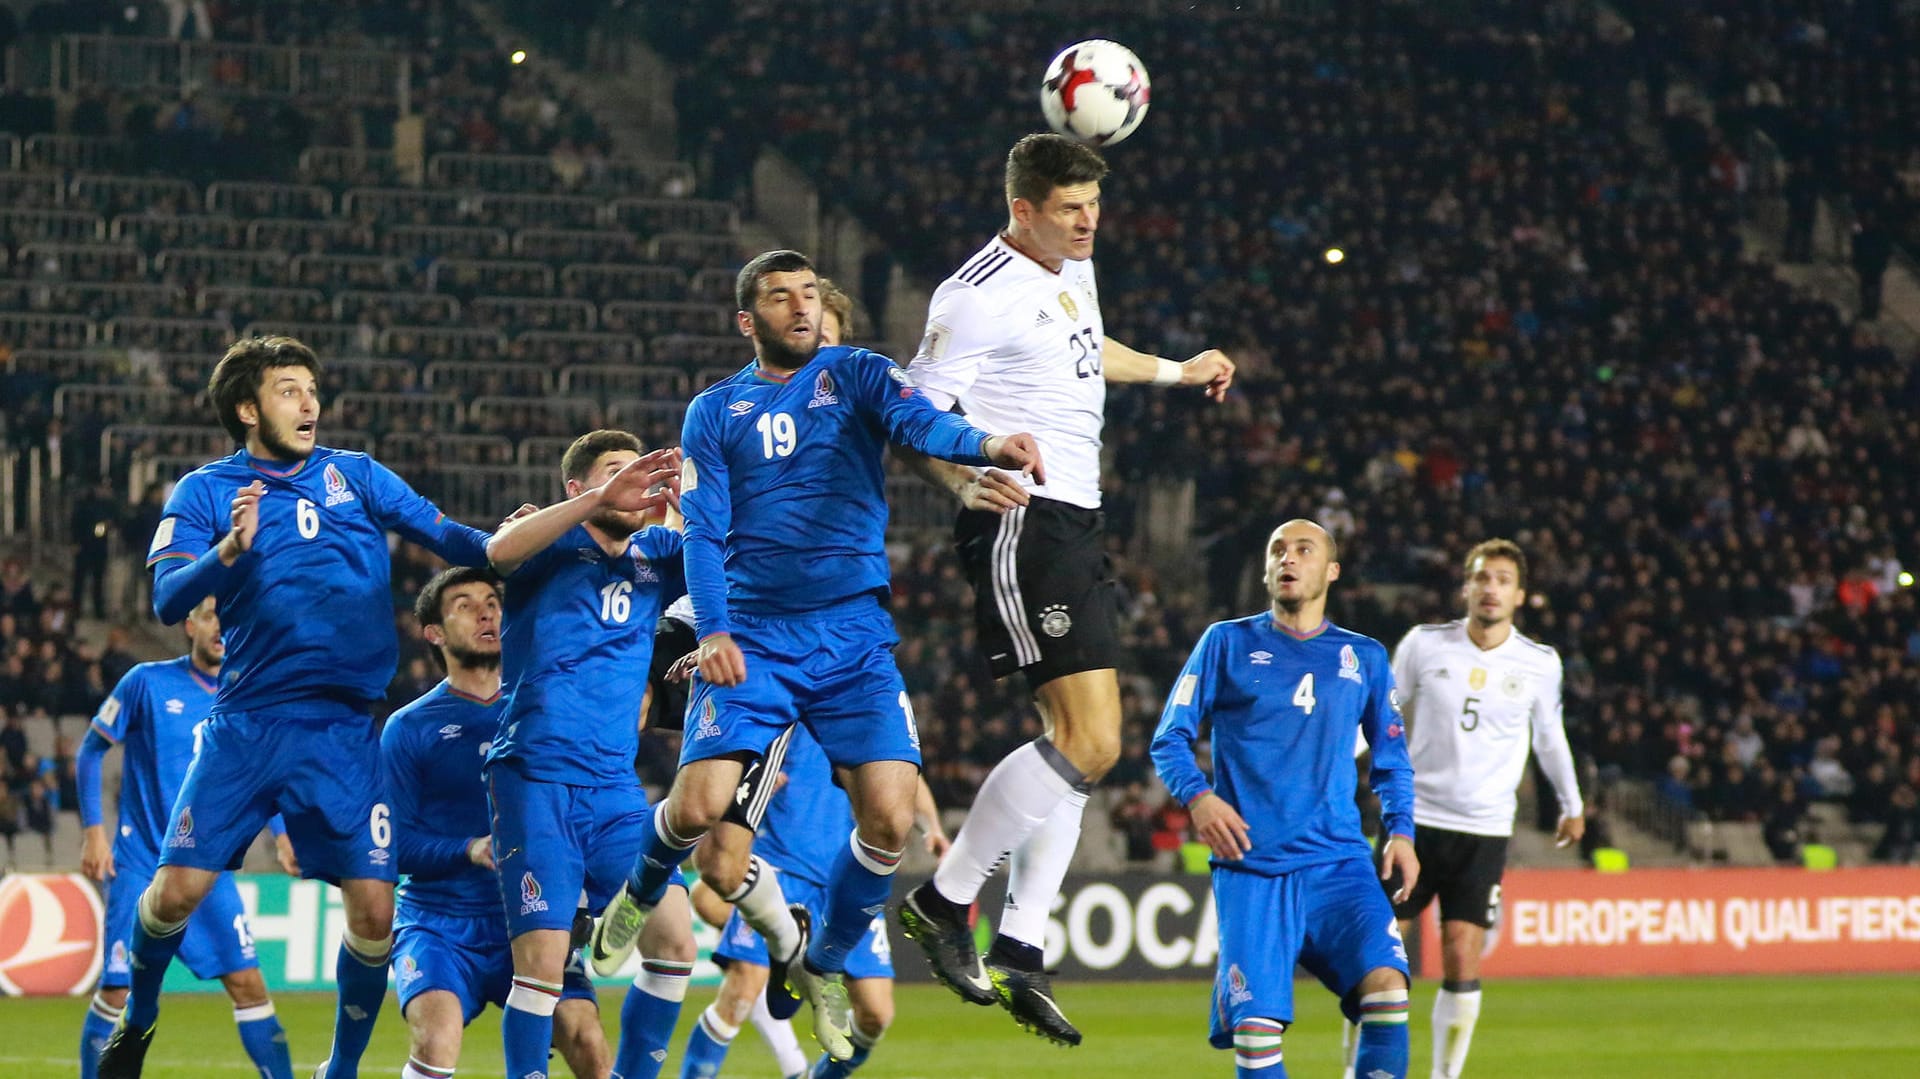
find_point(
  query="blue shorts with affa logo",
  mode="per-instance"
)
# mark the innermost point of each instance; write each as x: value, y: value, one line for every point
x: 555, y: 843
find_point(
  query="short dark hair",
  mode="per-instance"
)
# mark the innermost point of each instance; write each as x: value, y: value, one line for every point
x: 236, y: 378
x: 840, y: 305
x: 579, y: 458
x: 746, y: 288
x: 1039, y: 163
x: 428, y: 607
x: 1498, y: 548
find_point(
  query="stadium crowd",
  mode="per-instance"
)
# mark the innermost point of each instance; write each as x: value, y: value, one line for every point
x: 1539, y: 327
x: 1550, y: 333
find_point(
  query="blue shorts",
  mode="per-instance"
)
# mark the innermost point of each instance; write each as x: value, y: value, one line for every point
x: 556, y: 842
x: 871, y: 958
x: 832, y: 672
x: 469, y: 957
x: 218, y: 941
x: 320, y: 773
x: 1333, y: 919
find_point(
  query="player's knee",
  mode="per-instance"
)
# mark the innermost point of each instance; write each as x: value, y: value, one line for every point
x: 112, y: 998
x: 677, y: 947
x: 886, y: 831
x: 246, y: 988
x: 173, y: 896
x: 1256, y: 1043
x: 1092, y: 748
x: 872, y: 1015
x: 371, y: 924
x: 435, y: 1041
x: 1382, y: 979
x: 739, y: 988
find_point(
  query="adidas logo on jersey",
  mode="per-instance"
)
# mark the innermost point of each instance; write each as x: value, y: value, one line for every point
x: 1044, y: 320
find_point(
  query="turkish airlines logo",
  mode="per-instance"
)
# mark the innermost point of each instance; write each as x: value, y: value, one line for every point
x: 49, y: 935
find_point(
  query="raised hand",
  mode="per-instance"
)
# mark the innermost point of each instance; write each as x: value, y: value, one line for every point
x: 244, y: 522
x: 644, y: 482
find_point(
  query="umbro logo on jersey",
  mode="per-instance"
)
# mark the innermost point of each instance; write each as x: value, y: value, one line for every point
x: 451, y: 730
x: 337, y: 489
x: 740, y: 408
x: 1261, y: 659
x: 1044, y: 320
x: 175, y: 706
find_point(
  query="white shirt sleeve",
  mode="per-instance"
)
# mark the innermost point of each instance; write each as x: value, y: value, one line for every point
x: 959, y: 336
x: 1550, y: 743
x: 1405, y: 666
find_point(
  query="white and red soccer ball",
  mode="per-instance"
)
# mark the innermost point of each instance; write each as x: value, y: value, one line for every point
x: 1095, y: 91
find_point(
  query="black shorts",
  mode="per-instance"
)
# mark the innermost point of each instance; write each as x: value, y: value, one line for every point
x: 757, y: 784
x: 1463, y: 870
x: 1045, y: 601
x: 667, y: 708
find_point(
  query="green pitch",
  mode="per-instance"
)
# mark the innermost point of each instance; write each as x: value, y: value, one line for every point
x: 1667, y: 1028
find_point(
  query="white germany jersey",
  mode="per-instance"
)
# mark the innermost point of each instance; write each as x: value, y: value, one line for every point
x: 1018, y: 346
x: 1471, y: 716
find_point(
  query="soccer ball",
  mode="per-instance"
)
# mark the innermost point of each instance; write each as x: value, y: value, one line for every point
x: 1095, y: 91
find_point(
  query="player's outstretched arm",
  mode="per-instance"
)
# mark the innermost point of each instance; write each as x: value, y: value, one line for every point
x: 96, y: 846
x: 1547, y: 718
x: 639, y: 485
x: 987, y: 489
x: 1212, y: 369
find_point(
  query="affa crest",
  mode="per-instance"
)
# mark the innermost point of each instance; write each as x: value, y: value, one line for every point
x: 530, y: 900
x: 823, y: 394
x: 337, y: 489
x: 1349, y: 663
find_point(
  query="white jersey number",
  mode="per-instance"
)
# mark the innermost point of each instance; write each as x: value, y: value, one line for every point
x: 1303, y: 693
x: 777, y: 435
x: 616, y: 602
x: 307, y: 516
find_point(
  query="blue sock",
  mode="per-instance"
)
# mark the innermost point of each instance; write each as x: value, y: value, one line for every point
x: 360, y: 976
x: 94, y: 1033
x: 152, y: 948
x: 526, y: 1027
x: 1383, y: 1034
x: 1256, y: 1048
x: 861, y: 883
x: 828, y: 1068
x: 707, y: 1045
x: 648, y: 1016
x: 658, y: 861
x: 265, y: 1041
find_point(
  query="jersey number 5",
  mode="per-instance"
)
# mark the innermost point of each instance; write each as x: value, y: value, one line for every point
x: 1468, y: 710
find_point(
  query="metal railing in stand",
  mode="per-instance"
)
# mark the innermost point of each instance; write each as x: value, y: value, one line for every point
x: 146, y: 65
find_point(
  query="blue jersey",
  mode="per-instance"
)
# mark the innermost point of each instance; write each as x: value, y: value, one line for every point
x: 783, y: 487
x: 1283, y: 711
x: 575, y: 646
x: 307, y: 614
x: 153, y: 713
x: 809, y: 820
x: 432, y: 756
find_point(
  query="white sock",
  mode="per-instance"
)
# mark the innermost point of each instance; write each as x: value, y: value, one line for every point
x: 1454, y: 1015
x: 1349, y: 1046
x: 413, y: 1070
x: 1037, y: 869
x: 781, y: 1041
x: 716, y: 1025
x: 1018, y: 796
x: 763, y: 906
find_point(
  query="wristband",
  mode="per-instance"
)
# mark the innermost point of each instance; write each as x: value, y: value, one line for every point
x: 1168, y: 373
